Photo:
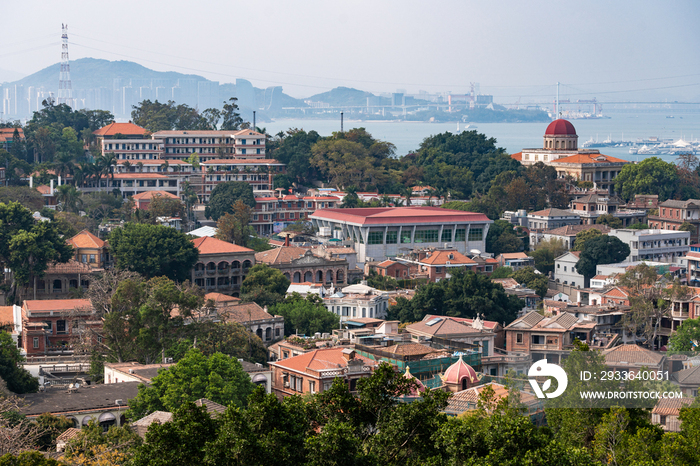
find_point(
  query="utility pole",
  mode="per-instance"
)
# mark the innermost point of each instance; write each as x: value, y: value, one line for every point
x: 341, y: 122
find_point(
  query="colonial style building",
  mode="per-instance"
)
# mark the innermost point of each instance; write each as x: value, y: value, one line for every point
x: 565, y: 269
x: 592, y: 206
x: 551, y: 218
x: 561, y: 151
x: 302, y: 265
x: 221, y: 266
x: 438, y: 264
x: 384, y: 232
x: 212, y: 144
x: 55, y: 326
x: 358, y: 301
x: 255, y: 318
x: 655, y: 245
x: 487, y: 335
x: 315, y: 371
x: 672, y: 214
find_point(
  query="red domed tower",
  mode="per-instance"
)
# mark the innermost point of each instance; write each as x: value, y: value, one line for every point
x: 459, y: 376
x: 560, y: 135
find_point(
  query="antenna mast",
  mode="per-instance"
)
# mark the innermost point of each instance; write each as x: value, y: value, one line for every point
x: 65, y: 90
x: 557, y: 114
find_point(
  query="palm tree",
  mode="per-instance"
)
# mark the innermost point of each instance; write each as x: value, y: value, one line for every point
x: 63, y: 164
x: 407, y: 194
x: 127, y: 165
x: 386, y: 200
x: 69, y: 198
x: 164, y: 166
x: 110, y: 161
x: 139, y: 164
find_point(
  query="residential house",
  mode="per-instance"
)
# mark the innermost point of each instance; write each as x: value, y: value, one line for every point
x: 566, y: 234
x: 591, y: 206
x: 315, y: 371
x: 512, y: 287
x: 655, y: 245
x: 121, y: 372
x: 221, y: 266
x: 666, y: 413
x: 547, y: 337
x: 53, y: 326
x: 255, y: 318
x: 302, y: 265
x: 486, y: 334
x: 551, y: 218
x: 565, y: 269
x: 689, y: 381
x: 143, y: 200
x: 468, y: 400
x: 357, y: 301
x: 693, y: 261
x: 393, y: 269
x: 628, y: 358
x: 672, y: 214
x: 259, y: 374
x: 90, y: 250
x: 438, y: 264
x: 515, y: 260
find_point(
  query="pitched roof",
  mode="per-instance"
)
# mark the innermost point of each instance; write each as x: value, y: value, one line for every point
x: 152, y: 194
x: 68, y: 434
x: 447, y: 257
x: 552, y: 212
x: 88, y: 398
x: 127, y: 129
x: 517, y: 156
x: 530, y: 319
x: 85, y: 239
x: 410, y: 349
x: 444, y: 326
x: 589, y: 158
x: 514, y: 255
x: 283, y: 255
x: 506, y: 282
x: 209, y: 245
x: 671, y: 406
x: 689, y: 376
x: 213, y: 408
x: 320, y: 359
x: 221, y: 298
x: 632, y: 355
x: 72, y: 266
x: 244, y: 312
x: 616, y: 292
x: 679, y: 204
x: 7, y: 315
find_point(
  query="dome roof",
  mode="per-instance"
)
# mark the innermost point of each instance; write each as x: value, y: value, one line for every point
x: 415, y: 391
x: 458, y: 371
x: 560, y: 128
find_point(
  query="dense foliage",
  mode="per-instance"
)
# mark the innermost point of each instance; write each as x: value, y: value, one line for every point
x: 600, y: 250
x: 463, y: 295
x: 224, y: 196
x: 264, y: 285
x: 17, y: 378
x: 305, y: 316
x: 153, y: 251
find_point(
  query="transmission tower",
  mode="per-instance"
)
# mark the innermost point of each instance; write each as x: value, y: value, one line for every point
x: 65, y: 90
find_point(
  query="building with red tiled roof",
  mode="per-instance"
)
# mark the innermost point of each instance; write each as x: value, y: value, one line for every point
x: 393, y: 269
x: 123, y: 129
x: 302, y: 265
x: 50, y: 326
x: 486, y: 334
x: 438, y: 264
x: 221, y: 265
x: 667, y: 410
x: 143, y: 200
x: 382, y: 232
x: 633, y: 358
x: 515, y: 260
x: 567, y: 234
x: 315, y: 371
x: 561, y: 151
x: 255, y: 318
x: 591, y: 206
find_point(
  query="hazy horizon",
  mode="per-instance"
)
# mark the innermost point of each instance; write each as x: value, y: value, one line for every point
x: 641, y: 50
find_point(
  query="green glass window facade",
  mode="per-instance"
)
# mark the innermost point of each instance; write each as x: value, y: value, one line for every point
x: 375, y: 237
x: 460, y: 234
x: 392, y: 237
x: 406, y: 236
x: 476, y: 234
x: 426, y: 236
x: 446, y: 235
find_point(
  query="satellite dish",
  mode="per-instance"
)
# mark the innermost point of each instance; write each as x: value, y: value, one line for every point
x: 476, y: 252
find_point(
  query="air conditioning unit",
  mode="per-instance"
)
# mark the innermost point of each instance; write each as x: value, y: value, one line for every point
x: 286, y: 385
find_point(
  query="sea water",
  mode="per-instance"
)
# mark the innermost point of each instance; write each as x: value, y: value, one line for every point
x: 514, y: 137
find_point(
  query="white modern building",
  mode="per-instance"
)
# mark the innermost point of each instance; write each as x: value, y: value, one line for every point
x: 655, y: 245
x: 382, y: 232
x: 565, y: 269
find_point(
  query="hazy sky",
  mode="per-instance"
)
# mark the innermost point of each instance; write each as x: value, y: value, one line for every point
x: 514, y: 49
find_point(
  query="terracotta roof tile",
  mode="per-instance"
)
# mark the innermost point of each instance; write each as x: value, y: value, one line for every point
x: 152, y: 194
x: 689, y: 376
x: 632, y: 355
x: 38, y: 305
x: 589, y: 158
x: 283, y: 255
x: 320, y: 359
x: 68, y: 434
x: 571, y: 230
x: 671, y: 406
x: 445, y: 257
x: 72, y: 266
x: 85, y: 239
x: 244, y: 312
x: 410, y: 349
x: 127, y: 129
x: 209, y: 245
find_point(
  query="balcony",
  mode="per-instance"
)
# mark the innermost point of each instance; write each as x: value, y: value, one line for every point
x: 545, y: 347
x: 224, y: 271
x: 199, y: 273
x: 680, y: 314
x: 211, y: 271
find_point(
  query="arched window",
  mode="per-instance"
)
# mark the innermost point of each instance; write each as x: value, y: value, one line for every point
x: 286, y: 275
x: 211, y: 268
x: 259, y: 333
x: 339, y: 277
x: 268, y: 333
x: 247, y: 264
x: 319, y: 276
x: 464, y: 384
x: 297, y: 277
x: 57, y: 285
x: 236, y: 266
x: 329, y: 276
x: 308, y: 277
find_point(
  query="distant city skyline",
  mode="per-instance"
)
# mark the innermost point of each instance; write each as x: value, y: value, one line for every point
x: 517, y: 51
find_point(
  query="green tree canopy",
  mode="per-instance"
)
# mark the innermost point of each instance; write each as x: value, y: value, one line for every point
x: 545, y: 252
x: 219, y: 378
x: 583, y: 236
x: 153, y: 251
x: 225, y: 195
x: 650, y: 176
x: 264, y: 285
x: 463, y: 295
x: 530, y: 278
x: 18, y: 379
x: 295, y: 151
x: 305, y: 316
x: 686, y: 337
x: 600, y: 250
x: 502, y: 238
x: 609, y: 220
